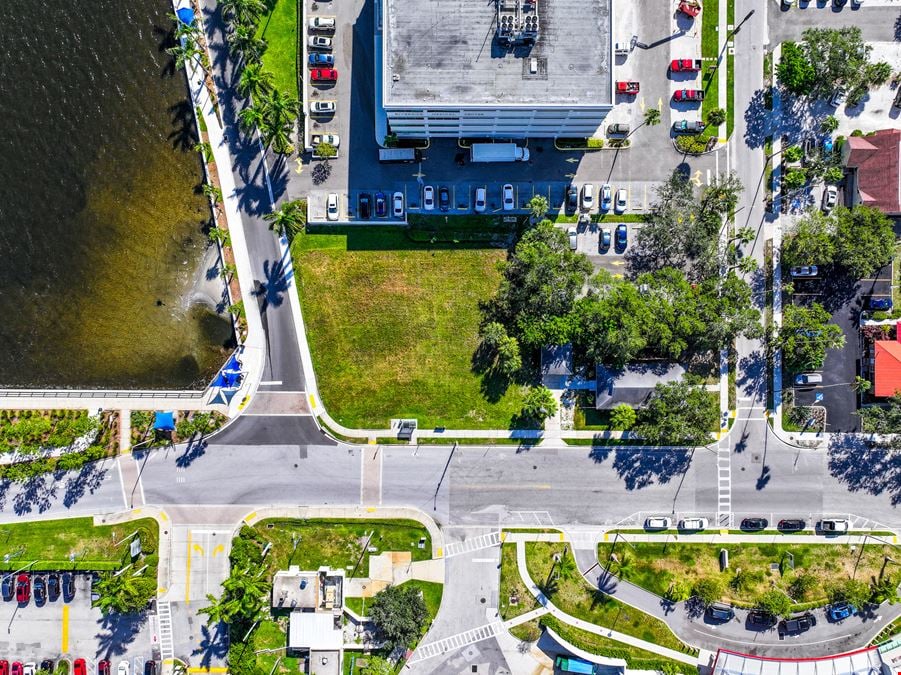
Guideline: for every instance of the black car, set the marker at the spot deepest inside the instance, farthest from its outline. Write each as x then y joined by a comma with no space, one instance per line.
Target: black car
443,198
572,198
364,206
47,665
791,525
381,205
797,625
53,586
150,668
759,618
68,586
752,524
719,612
9,587
621,236
40,590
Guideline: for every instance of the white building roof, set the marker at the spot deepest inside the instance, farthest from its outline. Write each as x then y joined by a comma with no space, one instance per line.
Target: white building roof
314,630
862,662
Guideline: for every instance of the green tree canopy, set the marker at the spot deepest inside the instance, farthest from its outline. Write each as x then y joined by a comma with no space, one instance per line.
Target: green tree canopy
678,413
399,613
775,602
539,404
538,206
123,593
289,218
623,417
500,350
708,589
865,240
811,242
805,336
885,419
839,57
795,71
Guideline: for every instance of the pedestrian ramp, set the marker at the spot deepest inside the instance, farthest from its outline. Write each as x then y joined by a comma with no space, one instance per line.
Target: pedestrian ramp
472,544
439,647
167,644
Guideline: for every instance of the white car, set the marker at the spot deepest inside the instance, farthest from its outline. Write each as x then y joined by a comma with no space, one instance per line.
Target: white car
398,204
657,523
331,139
804,271
29,668
830,198
428,198
587,197
622,200
837,98
320,42
606,197
331,206
693,524
323,107
123,668
481,200
573,235
509,201
833,526
322,23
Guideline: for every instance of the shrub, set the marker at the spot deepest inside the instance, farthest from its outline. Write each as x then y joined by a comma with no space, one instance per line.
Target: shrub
691,145
716,117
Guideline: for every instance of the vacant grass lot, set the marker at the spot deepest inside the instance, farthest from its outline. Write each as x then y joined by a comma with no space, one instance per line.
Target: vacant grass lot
49,543
512,584
657,566
279,29
575,597
393,325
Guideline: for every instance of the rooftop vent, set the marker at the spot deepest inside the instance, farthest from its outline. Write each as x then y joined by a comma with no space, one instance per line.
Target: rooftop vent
517,21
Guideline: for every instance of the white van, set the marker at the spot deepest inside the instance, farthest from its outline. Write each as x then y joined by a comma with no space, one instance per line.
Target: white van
809,378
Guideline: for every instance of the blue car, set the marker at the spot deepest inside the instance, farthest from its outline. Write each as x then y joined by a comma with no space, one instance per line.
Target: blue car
621,236
840,611
827,145
319,59
880,303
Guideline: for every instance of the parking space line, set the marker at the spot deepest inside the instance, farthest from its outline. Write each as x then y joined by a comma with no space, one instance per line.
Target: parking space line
188,572
65,638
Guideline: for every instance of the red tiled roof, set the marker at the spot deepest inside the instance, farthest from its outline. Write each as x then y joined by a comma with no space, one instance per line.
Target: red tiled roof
877,159
888,367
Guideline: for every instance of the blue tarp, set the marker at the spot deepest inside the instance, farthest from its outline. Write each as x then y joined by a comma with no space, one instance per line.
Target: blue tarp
163,421
185,15
230,375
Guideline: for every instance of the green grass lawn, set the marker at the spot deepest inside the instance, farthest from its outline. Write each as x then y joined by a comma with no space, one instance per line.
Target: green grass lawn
575,597
338,543
393,325
270,635
50,542
656,566
512,584
279,29
730,75
710,49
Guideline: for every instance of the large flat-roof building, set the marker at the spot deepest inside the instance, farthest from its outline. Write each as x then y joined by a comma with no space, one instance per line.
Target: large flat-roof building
501,69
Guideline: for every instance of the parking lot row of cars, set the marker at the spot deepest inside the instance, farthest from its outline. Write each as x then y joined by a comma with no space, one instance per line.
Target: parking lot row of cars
583,199
46,588
826,525
79,667
759,619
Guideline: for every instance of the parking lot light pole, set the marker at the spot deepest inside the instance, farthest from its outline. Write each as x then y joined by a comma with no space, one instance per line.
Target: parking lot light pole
886,560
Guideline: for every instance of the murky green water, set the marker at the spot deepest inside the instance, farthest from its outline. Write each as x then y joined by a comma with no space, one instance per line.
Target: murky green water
101,218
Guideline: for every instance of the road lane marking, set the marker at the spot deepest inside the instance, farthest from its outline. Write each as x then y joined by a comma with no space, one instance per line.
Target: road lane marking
484,560
220,548
270,383
65,640
503,486
188,572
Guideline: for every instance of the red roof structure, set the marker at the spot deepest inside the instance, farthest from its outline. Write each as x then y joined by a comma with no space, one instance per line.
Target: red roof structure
875,161
888,367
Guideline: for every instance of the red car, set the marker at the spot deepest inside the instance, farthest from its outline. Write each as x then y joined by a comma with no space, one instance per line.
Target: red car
4,667
23,593
103,667
79,667
690,7
631,88
17,668
323,75
689,95
685,65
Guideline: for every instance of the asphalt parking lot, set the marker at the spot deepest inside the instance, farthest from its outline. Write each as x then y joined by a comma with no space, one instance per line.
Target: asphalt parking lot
73,630
845,302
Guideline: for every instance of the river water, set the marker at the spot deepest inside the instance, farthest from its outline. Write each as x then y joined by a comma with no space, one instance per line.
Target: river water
101,214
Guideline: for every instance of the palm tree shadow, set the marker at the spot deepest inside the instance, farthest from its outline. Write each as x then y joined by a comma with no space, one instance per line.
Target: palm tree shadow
213,645
183,135
166,37
271,292
121,631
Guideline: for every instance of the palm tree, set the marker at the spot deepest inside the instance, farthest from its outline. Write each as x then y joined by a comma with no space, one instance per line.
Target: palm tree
228,270
566,566
243,12
255,81
213,193
289,218
184,52
279,112
121,593
250,118
220,235
205,149
652,117
220,610
244,40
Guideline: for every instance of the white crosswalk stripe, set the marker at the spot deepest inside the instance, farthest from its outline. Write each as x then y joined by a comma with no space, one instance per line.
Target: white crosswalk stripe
164,615
474,544
724,487
439,647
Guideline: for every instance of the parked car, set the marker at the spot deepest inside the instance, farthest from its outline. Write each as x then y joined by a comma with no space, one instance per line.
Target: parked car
573,236
719,612
690,8
606,197
804,271
4,667
53,588
587,197
686,127
8,587
834,526
68,586
618,128
828,145
509,199
122,669
320,59
808,378
40,590
29,668
690,95
753,524
761,618
605,239
150,668
572,197
381,205
79,667
428,198
323,75
322,23
882,304
622,234
830,197
840,611
481,200
103,668
323,107
364,206
398,204
791,525
443,198
622,199
685,65
23,588
658,523
796,625
629,88
838,97
693,524
16,668
320,42
331,206
332,139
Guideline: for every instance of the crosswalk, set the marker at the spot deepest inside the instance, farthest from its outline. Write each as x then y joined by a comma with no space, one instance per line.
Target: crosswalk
474,544
724,485
167,645
439,647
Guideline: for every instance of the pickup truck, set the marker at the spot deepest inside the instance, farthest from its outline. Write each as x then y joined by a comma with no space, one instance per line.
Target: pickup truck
631,87
331,139
690,8
797,624
685,65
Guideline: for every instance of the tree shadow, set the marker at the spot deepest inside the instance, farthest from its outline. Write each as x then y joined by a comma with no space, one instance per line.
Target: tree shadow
641,467
871,470
493,384
213,644
759,121
764,478
35,494
751,375
88,479
599,453
195,449
184,135
166,36
272,291
120,631
695,607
